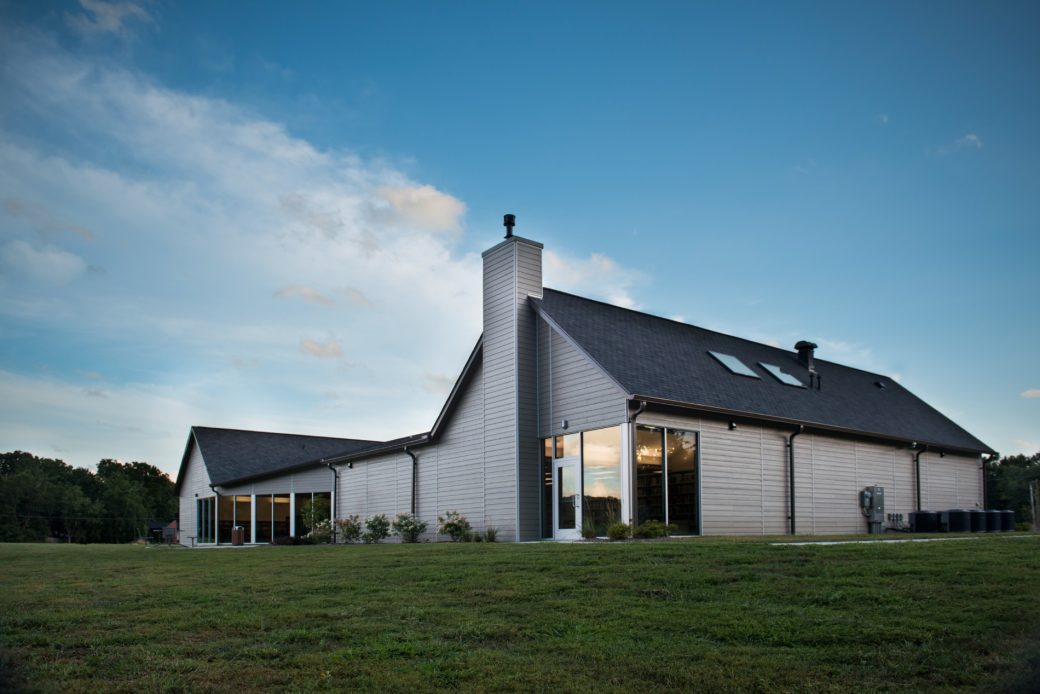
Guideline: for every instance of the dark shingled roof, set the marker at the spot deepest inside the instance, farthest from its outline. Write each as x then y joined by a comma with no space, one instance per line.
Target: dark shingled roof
659,359
235,455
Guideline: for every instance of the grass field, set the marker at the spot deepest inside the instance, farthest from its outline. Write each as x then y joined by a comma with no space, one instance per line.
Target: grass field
695,615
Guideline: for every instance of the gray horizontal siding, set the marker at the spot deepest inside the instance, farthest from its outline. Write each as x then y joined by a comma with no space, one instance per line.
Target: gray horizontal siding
744,479
573,388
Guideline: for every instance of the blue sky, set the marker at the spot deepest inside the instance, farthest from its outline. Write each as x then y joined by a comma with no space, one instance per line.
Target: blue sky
270,215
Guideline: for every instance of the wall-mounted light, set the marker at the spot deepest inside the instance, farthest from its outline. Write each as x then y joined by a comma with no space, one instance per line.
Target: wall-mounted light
732,426
350,465
563,424
942,454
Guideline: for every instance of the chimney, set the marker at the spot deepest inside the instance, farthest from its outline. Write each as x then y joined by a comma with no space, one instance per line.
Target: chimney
512,466
805,354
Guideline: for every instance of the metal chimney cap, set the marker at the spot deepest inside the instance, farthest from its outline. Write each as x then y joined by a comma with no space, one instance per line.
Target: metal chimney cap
804,344
509,221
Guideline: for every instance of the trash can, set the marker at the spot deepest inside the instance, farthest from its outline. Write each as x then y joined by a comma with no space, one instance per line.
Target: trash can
238,535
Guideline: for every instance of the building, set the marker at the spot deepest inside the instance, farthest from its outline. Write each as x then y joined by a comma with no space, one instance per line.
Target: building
571,414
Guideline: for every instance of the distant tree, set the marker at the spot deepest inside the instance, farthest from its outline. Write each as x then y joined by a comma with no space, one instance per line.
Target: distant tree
43,498
1007,483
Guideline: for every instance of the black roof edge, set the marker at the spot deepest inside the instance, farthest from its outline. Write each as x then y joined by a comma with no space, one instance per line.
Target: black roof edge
812,426
574,343
457,389
266,475
388,447
184,462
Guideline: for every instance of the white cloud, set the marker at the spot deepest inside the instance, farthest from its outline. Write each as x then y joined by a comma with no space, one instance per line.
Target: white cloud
439,384
1031,393
42,219
425,207
100,17
47,264
969,141
596,276
1026,447
216,208
305,293
329,348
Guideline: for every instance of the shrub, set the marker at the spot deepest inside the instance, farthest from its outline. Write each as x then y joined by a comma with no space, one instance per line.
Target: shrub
490,533
377,528
313,512
454,525
619,531
653,528
349,528
408,527
588,531
321,533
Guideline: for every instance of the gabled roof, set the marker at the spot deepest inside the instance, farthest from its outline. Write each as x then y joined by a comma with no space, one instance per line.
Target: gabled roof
237,455
667,362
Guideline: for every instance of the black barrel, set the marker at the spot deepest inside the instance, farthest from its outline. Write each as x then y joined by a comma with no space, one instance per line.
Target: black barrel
924,522
958,521
992,521
1007,521
978,520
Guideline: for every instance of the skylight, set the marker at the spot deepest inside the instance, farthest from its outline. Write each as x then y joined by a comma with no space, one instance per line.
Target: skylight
781,375
733,364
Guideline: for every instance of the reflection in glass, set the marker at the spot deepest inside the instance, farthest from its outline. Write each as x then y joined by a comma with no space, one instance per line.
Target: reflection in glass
566,484
547,498
263,519
280,516
601,478
311,508
205,530
649,478
225,518
568,445
682,481
243,515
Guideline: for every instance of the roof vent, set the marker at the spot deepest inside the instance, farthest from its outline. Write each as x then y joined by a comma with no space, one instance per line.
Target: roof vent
509,221
880,384
805,354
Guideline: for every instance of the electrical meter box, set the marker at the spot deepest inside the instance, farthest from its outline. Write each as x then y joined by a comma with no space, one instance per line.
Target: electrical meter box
872,503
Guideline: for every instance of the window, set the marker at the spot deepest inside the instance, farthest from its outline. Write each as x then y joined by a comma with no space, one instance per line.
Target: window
205,527
733,364
601,478
781,375
666,478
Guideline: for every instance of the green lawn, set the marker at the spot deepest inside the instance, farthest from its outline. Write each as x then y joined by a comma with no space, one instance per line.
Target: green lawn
695,615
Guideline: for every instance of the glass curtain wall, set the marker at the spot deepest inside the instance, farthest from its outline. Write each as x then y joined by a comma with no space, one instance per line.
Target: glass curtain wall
225,518
312,508
205,509
649,475
280,516
263,519
601,478
244,516
599,453
666,478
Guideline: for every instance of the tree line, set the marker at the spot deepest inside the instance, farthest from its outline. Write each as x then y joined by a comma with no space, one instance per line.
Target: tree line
1008,481
46,498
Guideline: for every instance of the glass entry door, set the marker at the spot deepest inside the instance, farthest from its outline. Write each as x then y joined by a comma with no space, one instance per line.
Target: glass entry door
567,498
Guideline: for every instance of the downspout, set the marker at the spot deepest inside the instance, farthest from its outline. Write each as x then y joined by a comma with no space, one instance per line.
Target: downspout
985,489
335,493
415,475
917,474
216,515
790,473
632,435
